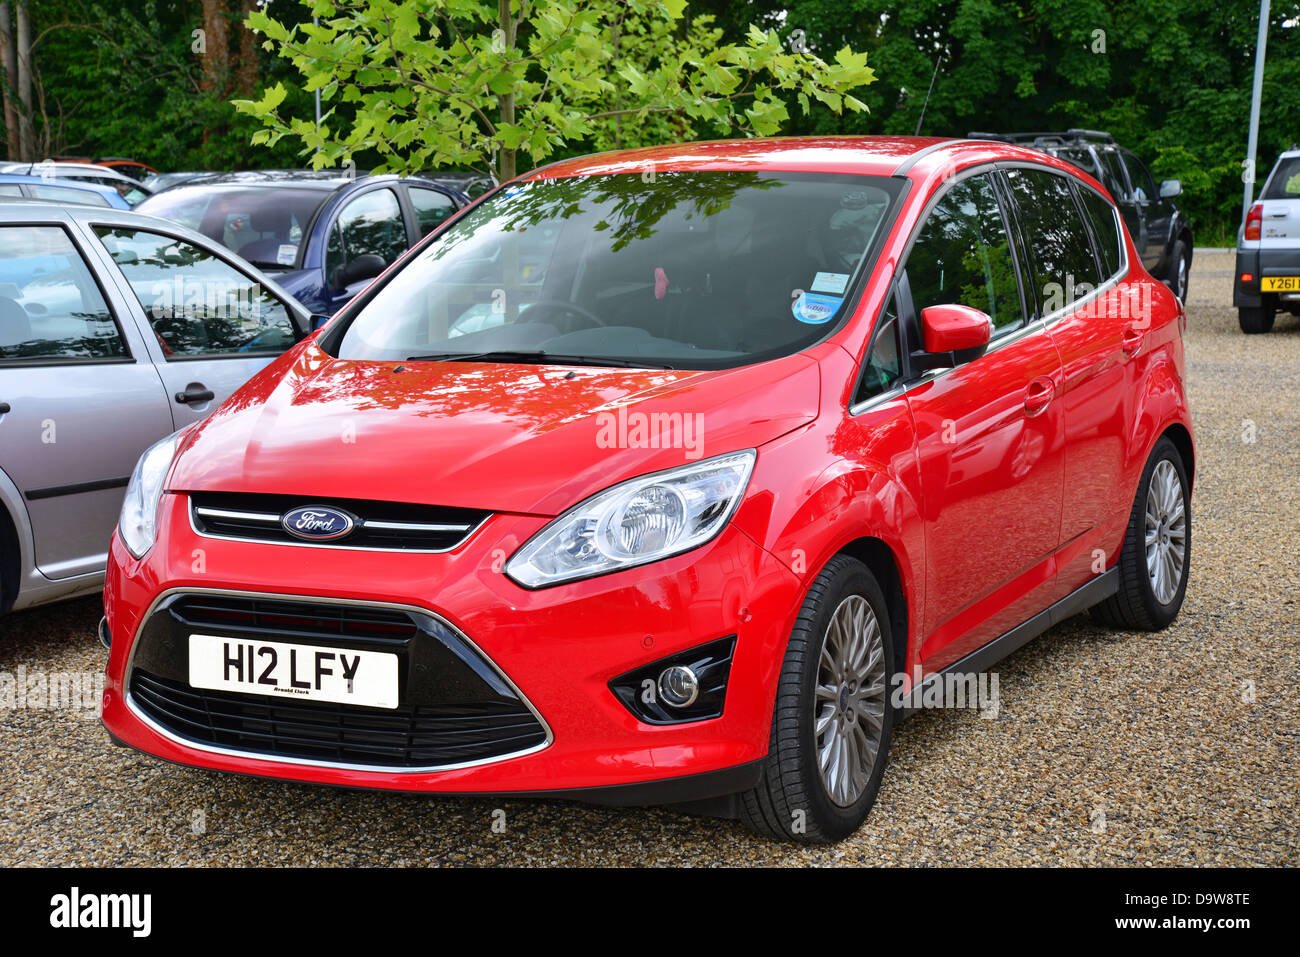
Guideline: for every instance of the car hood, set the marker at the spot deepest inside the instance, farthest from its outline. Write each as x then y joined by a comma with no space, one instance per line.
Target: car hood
502,437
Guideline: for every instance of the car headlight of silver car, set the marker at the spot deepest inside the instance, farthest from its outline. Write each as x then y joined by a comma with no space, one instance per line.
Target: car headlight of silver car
138,523
642,520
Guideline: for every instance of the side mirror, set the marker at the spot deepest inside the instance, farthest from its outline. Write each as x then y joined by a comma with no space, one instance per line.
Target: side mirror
1171,188
952,335
365,266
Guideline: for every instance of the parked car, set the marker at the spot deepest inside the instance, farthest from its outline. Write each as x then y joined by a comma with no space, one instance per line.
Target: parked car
121,164
322,235
1160,231
55,172
161,181
1267,279
690,523
14,186
116,329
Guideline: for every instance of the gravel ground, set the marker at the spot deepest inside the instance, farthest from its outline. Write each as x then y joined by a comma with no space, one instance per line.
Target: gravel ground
1108,748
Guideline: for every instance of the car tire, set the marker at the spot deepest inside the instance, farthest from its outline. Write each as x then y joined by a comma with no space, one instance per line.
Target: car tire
1180,269
1255,319
802,797
1156,556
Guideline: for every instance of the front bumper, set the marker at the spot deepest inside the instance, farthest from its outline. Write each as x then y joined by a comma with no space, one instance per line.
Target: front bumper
558,647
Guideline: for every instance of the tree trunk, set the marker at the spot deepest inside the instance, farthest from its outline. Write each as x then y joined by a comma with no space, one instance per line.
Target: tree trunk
506,101
215,58
9,65
247,73
26,136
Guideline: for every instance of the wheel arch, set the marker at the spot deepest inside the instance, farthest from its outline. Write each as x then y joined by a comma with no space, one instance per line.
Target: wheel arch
880,560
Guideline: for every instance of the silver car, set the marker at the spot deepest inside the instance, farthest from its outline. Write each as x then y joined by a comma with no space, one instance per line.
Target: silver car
1267,278
116,329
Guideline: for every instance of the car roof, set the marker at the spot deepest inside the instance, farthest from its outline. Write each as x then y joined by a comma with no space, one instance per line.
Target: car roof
867,155
100,188
60,167
317,180
924,158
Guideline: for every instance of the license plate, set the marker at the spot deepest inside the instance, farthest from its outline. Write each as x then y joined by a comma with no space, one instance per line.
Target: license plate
1279,284
281,670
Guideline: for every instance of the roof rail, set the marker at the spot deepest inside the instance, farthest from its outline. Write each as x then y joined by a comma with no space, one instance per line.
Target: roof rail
1044,136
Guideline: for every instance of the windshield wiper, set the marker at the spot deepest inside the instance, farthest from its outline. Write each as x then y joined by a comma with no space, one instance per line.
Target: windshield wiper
537,357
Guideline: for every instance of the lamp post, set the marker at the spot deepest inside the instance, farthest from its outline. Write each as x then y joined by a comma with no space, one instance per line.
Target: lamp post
1253,139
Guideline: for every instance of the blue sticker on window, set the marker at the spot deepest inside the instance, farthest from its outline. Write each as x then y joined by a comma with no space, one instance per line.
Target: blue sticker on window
814,309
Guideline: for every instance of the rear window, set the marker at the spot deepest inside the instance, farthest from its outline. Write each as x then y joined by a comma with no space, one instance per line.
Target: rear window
264,225
1285,181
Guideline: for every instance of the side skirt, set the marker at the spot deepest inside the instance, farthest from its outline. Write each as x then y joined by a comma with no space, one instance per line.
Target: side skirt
984,658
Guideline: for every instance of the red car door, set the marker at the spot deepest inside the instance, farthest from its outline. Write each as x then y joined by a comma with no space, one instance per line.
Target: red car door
1101,339
989,435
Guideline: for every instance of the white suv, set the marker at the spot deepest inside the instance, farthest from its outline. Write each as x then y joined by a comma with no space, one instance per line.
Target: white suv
1268,249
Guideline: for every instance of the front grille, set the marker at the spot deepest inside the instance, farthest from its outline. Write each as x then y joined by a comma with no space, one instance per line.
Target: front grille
409,737
455,705
293,619
391,526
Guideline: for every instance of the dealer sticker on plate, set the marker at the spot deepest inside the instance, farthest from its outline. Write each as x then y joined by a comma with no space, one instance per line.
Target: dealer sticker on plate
277,669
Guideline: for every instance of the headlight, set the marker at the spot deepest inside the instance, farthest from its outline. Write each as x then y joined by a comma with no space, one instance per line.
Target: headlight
137,523
639,521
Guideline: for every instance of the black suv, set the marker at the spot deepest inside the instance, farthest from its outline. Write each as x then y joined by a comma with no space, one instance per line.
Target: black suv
1160,232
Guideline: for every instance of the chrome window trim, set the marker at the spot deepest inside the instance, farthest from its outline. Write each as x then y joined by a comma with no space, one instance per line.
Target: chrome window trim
309,762
191,509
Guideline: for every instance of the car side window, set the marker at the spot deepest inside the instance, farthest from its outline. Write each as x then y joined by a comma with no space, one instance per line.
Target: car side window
371,223
197,303
1105,228
67,194
1065,268
431,208
1112,174
1144,190
50,305
963,255
882,370
10,189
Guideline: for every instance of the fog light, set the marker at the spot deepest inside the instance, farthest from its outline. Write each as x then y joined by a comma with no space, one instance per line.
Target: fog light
678,686
688,686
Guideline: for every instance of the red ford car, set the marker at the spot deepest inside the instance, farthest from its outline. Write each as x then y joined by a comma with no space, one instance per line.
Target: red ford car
668,476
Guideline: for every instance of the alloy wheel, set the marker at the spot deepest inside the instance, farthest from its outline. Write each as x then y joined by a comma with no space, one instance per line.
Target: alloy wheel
1166,532
849,704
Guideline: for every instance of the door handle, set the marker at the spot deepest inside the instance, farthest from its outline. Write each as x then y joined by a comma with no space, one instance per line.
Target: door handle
196,393
1131,340
1039,394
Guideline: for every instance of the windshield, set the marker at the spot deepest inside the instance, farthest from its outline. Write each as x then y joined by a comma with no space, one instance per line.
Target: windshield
263,225
686,270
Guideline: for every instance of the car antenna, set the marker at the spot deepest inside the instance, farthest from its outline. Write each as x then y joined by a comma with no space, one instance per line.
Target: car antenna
942,54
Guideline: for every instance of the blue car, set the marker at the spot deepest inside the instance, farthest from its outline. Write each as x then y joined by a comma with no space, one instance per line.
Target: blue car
18,186
321,235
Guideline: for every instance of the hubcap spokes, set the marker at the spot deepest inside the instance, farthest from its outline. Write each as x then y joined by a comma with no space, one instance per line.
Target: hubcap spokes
1166,532
849,705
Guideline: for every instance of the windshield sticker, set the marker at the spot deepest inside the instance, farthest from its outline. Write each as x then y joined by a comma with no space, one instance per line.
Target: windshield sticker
814,309
833,282
286,254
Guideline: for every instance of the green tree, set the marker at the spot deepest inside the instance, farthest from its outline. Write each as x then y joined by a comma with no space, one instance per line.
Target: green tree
425,83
